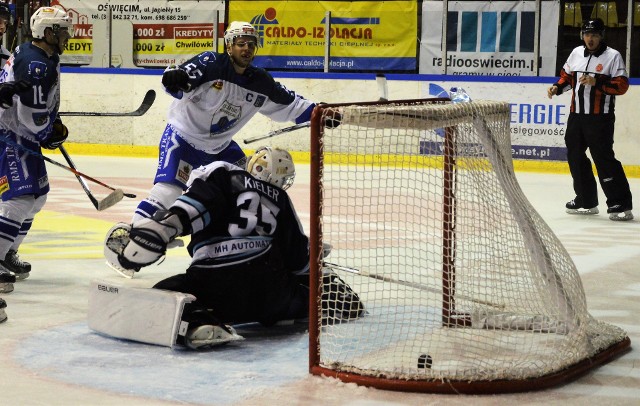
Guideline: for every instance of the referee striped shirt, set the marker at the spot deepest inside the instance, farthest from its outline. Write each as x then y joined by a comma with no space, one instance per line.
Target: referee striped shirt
607,66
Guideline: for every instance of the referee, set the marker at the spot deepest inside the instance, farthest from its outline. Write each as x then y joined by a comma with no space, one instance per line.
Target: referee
596,73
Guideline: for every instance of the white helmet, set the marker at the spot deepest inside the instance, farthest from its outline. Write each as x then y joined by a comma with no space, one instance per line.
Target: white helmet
274,166
50,17
239,29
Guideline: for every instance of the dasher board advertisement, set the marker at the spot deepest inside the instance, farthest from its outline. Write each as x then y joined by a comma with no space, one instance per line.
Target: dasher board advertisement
364,35
164,32
488,38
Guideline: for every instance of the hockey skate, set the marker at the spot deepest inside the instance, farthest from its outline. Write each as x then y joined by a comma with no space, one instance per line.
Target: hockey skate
16,266
6,280
208,335
619,213
573,207
339,301
205,330
3,313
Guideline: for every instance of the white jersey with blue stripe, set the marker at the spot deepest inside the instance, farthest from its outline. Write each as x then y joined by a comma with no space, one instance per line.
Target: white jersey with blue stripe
223,101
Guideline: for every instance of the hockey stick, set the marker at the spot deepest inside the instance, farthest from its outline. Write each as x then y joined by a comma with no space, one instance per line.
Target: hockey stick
113,198
414,285
382,89
146,104
278,132
58,164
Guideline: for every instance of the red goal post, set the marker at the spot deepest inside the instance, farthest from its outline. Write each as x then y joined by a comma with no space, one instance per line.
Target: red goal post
429,226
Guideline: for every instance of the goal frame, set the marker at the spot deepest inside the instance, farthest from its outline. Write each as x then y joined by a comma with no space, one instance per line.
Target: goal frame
450,318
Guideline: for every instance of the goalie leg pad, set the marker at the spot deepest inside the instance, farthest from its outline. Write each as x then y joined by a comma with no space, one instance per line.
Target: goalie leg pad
150,316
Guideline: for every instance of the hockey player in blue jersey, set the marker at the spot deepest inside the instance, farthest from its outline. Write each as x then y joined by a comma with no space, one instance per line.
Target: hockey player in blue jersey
216,94
33,122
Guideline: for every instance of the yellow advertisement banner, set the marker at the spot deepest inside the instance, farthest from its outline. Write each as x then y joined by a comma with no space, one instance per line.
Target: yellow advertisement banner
364,35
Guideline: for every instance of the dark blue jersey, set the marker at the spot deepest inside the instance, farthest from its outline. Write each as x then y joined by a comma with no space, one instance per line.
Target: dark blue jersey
36,108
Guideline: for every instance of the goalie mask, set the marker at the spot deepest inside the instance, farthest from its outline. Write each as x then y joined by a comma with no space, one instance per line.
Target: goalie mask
274,166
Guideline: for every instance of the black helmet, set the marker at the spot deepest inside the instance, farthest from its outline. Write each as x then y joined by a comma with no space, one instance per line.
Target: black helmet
596,25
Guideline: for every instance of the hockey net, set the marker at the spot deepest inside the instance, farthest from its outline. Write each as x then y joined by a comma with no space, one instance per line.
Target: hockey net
466,288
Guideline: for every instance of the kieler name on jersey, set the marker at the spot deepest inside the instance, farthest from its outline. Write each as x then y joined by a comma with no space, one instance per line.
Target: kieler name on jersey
272,192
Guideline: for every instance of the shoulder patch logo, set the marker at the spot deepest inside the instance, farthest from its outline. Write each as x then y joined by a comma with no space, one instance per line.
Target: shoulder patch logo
207,57
217,84
259,101
37,69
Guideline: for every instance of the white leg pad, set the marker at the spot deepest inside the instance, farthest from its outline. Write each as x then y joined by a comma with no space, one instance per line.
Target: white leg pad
150,316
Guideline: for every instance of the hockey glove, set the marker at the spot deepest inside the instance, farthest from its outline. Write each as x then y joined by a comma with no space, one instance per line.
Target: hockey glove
148,239
58,136
175,79
332,118
9,89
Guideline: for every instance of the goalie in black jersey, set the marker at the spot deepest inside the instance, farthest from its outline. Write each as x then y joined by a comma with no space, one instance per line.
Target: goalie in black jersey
250,256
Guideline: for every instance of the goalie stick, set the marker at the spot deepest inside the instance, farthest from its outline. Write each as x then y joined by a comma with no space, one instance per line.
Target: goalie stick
414,285
146,104
113,198
65,167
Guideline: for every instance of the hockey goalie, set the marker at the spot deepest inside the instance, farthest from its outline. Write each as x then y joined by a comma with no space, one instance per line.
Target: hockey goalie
250,261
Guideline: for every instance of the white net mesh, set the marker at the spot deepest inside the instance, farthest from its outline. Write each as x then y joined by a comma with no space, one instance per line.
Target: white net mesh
430,228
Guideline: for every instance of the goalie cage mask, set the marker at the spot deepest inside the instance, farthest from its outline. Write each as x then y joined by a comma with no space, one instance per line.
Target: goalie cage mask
273,165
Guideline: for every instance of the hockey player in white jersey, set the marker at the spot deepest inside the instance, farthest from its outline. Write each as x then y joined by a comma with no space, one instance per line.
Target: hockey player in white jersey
250,256
31,120
216,94
7,92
